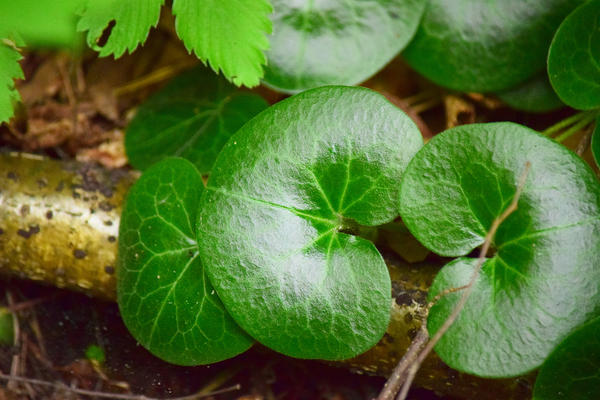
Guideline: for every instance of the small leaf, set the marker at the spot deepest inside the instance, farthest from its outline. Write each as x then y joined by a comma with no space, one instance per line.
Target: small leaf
535,95
275,222
573,369
9,71
596,142
7,331
228,34
485,46
192,117
132,21
544,278
344,42
164,296
574,58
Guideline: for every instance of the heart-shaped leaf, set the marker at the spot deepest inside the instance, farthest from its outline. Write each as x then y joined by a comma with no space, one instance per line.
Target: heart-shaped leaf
574,58
192,117
596,142
485,46
535,95
316,43
164,295
275,219
544,278
573,369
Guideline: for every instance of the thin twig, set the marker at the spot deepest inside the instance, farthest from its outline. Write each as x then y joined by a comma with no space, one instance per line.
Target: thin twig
108,395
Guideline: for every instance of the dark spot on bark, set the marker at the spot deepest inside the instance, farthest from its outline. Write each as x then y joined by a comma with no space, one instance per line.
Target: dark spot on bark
33,229
411,333
24,211
109,269
42,183
76,195
403,299
49,214
112,239
406,297
1,231
79,254
408,318
12,176
60,186
388,338
85,198
105,206
108,223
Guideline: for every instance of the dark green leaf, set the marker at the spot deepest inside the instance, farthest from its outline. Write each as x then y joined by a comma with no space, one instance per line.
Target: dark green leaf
574,58
485,46
336,42
573,369
275,219
6,327
192,117
596,142
544,278
535,95
165,298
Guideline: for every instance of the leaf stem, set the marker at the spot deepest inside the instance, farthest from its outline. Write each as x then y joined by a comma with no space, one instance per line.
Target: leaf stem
585,121
565,123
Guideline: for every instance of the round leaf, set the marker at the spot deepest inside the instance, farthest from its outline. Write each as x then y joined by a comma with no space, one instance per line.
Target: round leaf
544,278
192,117
596,142
573,369
485,46
274,220
165,298
535,95
574,58
324,42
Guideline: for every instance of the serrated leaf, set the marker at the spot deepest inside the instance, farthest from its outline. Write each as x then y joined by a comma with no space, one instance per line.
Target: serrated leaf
544,278
132,22
10,69
485,46
596,142
336,42
192,117
574,58
274,222
573,369
229,35
164,296
535,95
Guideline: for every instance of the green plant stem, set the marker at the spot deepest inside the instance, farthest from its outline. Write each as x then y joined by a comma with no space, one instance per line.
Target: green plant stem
565,123
585,121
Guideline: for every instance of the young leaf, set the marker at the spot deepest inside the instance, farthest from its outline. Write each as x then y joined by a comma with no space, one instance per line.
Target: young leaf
544,278
129,23
228,34
9,71
323,43
485,46
596,142
535,95
574,58
573,369
276,220
164,296
192,117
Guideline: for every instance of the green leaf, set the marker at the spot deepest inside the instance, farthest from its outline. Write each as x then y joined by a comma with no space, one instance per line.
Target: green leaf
165,298
596,142
9,71
485,46
574,58
344,42
132,22
544,278
192,117
535,95
573,369
7,330
228,34
42,23
276,218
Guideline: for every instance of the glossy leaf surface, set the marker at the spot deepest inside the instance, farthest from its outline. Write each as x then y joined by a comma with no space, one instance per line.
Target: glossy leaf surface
543,279
10,69
574,58
573,369
535,95
192,117
324,42
485,46
275,221
164,295
229,35
596,142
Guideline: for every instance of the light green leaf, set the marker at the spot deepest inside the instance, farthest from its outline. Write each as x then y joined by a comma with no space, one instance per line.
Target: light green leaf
229,35
9,71
132,22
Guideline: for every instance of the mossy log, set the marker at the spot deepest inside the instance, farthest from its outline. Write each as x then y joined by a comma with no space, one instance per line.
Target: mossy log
59,225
